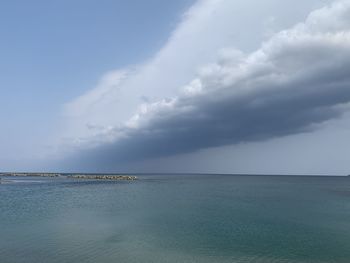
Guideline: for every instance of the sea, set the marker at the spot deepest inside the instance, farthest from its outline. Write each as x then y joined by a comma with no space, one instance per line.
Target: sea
176,218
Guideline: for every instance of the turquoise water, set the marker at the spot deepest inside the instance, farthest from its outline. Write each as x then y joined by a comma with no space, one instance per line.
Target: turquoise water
176,219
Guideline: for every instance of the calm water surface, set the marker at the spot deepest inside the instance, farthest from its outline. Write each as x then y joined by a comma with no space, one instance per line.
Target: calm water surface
262,219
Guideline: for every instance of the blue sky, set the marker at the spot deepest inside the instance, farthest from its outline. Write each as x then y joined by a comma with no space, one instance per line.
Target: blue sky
52,51
242,86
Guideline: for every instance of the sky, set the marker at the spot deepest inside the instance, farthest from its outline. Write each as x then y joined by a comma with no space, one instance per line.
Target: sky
206,86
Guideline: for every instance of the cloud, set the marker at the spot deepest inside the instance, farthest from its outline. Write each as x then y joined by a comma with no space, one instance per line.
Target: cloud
206,29
295,81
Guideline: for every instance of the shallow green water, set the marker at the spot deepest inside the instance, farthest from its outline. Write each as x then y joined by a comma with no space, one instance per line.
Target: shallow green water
176,219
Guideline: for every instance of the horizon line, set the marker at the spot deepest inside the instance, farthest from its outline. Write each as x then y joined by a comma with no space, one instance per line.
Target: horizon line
179,173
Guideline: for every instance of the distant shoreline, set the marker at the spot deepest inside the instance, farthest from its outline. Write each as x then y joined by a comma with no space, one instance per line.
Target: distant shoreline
115,177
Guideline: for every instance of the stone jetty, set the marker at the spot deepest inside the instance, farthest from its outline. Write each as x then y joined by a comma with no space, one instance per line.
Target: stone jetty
115,177
32,174
104,177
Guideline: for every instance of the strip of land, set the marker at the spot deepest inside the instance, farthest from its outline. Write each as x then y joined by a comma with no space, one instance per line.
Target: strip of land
116,177
104,177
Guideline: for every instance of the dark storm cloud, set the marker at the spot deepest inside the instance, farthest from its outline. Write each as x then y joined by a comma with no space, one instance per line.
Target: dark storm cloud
298,79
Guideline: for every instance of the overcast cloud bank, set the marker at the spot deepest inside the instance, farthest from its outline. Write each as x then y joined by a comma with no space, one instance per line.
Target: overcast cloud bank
296,80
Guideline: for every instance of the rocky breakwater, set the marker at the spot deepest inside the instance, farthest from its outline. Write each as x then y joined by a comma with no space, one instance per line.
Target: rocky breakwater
105,177
31,174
